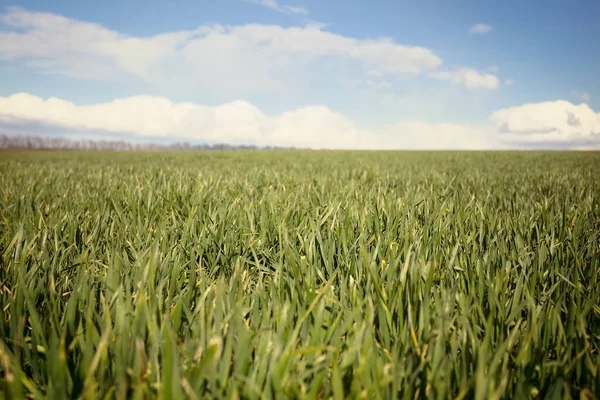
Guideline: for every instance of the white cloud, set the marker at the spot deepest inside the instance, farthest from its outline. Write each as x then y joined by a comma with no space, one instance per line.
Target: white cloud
480,29
551,121
315,126
273,5
80,49
235,122
509,82
234,60
469,77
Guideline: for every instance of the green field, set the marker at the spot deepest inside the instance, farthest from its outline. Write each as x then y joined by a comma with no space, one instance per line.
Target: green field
300,274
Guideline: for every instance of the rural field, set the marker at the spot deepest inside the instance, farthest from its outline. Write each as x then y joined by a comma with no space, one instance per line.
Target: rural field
300,274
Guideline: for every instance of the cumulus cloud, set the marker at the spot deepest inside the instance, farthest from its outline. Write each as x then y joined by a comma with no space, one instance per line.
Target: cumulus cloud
235,122
234,60
247,58
148,116
57,44
551,121
558,123
480,29
468,77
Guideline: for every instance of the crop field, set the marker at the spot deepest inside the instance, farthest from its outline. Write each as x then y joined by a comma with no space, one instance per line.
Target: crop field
299,274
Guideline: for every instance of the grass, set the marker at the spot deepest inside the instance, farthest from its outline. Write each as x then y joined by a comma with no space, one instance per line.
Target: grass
300,274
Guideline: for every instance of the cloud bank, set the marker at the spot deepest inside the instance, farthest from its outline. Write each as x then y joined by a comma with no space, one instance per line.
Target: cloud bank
231,59
314,126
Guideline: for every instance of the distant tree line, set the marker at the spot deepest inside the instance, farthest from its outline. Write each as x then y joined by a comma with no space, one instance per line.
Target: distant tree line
58,143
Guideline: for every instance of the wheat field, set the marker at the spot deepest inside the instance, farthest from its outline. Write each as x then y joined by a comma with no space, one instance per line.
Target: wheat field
300,274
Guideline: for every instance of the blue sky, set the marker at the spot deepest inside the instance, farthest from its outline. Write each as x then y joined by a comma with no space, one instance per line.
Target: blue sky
382,74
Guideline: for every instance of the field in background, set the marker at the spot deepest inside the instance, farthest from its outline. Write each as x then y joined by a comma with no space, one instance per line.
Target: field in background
300,274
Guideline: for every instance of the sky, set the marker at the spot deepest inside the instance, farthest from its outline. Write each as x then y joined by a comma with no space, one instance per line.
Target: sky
319,74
